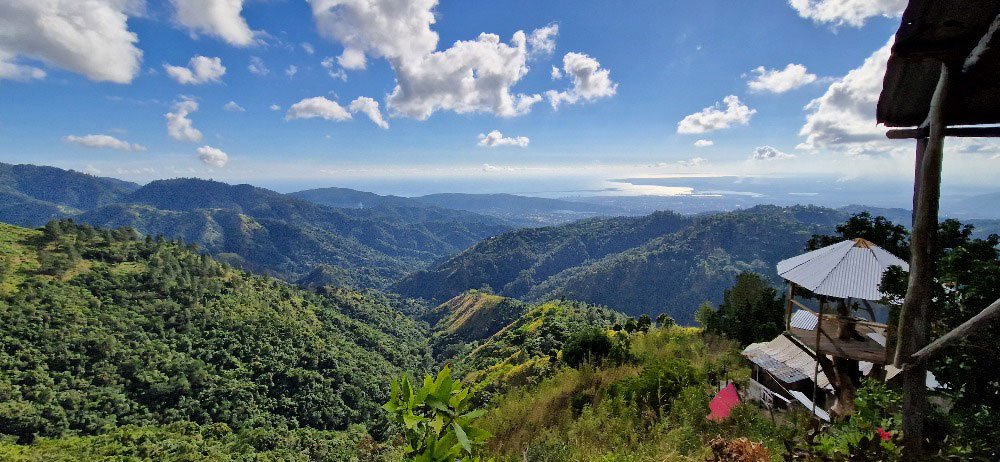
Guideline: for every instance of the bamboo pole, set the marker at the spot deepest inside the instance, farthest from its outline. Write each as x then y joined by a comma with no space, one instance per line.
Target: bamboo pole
914,325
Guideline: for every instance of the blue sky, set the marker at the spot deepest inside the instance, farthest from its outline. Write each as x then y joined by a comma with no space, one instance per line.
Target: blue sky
641,67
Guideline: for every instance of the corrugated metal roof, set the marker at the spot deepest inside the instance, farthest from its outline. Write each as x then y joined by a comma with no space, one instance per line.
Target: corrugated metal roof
782,357
778,369
804,320
846,269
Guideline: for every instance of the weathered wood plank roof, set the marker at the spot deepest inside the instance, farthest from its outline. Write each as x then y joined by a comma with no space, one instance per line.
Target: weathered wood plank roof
936,31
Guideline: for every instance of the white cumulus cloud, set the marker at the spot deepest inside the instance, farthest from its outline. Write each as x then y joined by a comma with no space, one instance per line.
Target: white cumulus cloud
352,59
780,80
317,107
274,107
495,139
556,73
89,37
308,47
218,18
703,143
847,12
291,71
179,126
843,119
257,66
213,157
104,142
233,107
769,153
368,107
590,81
469,76
542,41
332,70
716,117
392,29
19,72
199,70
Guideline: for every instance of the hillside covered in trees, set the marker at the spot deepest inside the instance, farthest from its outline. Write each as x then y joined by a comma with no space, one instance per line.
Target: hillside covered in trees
102,328
662,262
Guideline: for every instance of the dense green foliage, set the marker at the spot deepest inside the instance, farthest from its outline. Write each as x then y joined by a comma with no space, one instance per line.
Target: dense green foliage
877,229
101,329
595,346
524,350
660,263
439,424
968,276
751,311
873,433
189,442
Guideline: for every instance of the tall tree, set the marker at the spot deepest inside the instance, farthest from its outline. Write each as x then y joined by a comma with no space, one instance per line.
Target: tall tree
751,311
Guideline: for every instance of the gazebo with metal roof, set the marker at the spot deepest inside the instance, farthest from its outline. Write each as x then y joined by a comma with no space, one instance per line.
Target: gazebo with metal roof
847,273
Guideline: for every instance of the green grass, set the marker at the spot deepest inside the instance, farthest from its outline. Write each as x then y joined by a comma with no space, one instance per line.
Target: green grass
583,415
15,257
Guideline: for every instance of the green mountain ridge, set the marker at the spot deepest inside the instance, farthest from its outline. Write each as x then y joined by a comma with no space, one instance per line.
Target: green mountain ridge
250,227
660,263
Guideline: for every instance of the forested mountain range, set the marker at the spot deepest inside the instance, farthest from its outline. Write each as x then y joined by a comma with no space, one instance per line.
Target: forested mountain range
663,262
104,328
251,227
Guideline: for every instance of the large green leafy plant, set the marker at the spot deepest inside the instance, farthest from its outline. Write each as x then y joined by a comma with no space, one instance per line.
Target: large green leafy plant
437,421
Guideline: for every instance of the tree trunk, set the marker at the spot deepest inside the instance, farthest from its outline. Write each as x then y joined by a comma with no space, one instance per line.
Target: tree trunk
845,377
914,323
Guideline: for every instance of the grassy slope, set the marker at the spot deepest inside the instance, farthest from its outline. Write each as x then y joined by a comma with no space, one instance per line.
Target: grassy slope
581,414
475,315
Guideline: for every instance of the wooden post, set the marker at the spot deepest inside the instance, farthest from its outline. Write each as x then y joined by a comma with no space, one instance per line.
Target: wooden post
819,354
914,322
788,306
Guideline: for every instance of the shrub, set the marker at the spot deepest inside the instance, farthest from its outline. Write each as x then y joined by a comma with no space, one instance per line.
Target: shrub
594,346
658,384
437,423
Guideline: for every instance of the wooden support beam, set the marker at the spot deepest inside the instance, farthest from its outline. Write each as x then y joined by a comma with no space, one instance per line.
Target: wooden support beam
973,325
914,322
788,305
960,132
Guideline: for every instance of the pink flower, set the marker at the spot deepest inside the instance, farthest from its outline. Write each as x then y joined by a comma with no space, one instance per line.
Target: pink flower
886,436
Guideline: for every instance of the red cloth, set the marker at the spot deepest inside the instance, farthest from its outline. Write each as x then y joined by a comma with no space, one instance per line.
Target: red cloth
723,403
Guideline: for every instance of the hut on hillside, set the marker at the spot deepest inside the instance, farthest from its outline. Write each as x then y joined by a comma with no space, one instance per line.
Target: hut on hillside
824,353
